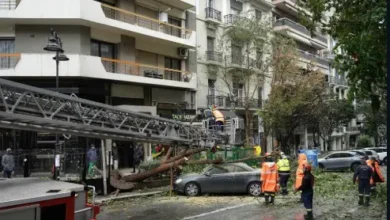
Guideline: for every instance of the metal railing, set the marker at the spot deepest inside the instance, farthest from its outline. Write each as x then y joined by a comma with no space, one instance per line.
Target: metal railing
241,60
145,22
137,69
236,102
231,19
213,56
316,58
213,13
9,4
9,61
300,28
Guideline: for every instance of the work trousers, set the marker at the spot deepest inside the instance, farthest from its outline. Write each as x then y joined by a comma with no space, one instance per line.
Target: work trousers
7,174
308,200
283,179
364,187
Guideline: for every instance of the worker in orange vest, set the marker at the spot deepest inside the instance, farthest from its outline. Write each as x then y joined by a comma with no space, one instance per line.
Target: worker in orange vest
269,178
307,191
302,161
219,119
377,176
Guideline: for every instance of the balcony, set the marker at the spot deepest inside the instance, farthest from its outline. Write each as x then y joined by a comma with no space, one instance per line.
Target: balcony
231,19
226,102
145,22
317,59
42,65
240,61
300,33
8,4
290,7
99,16
353,129
213,15
214,56
337,81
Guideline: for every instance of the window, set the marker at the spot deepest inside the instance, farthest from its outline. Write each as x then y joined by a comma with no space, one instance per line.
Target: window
368,153
344,155
7,46
334,156
211,85
173,30
240,169
258,14
210,43
237,89
209,3
217,170
236,54
106,50
229,168
175,64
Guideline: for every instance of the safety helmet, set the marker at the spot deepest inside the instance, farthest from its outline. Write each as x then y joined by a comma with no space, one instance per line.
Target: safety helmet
307,167
267,154
282,154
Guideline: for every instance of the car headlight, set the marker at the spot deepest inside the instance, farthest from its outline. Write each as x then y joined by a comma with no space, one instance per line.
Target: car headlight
178,181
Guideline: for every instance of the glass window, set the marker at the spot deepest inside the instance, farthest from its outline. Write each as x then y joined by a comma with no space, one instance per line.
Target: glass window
217,170
210,44
332,156
368,152
230,168
7,46
175,64
240,169
343,155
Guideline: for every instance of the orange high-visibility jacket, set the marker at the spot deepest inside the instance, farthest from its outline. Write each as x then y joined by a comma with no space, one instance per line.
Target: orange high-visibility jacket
302,160
269,177
379,178
218,115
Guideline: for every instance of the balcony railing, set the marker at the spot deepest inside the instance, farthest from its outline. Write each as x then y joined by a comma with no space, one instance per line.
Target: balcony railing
231,19
213,13
137,69
300,28
145,22
9,4
241,60
316,58
237,102
214,56
337,81
9,61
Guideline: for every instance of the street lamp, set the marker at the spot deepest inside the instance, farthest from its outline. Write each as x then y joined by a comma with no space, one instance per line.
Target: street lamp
55,45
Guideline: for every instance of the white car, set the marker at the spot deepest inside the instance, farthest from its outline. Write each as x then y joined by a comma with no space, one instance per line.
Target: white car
382,153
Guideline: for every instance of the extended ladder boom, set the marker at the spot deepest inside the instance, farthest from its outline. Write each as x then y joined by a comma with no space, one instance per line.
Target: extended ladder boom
29,108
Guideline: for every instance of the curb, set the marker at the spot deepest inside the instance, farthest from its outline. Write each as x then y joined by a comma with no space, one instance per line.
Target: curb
128,196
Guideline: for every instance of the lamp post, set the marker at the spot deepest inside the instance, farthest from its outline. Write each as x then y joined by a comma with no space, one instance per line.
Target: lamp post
55,45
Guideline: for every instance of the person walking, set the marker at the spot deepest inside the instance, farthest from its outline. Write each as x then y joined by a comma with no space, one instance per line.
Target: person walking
307,191
138,156
115,155
363,175
8,163
284,172
377,176
302,161
269,178
91,160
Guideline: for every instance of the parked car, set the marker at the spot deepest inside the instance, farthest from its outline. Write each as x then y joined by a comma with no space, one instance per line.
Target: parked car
340,160
360,152
382,153
371,153
225,178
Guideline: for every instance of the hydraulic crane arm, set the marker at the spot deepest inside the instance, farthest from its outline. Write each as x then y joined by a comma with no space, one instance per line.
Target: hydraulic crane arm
29,108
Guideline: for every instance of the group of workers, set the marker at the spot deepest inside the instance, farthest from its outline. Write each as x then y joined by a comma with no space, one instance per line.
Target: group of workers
276,175
216,118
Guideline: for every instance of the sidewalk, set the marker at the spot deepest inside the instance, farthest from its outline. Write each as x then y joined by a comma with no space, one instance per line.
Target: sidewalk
134,194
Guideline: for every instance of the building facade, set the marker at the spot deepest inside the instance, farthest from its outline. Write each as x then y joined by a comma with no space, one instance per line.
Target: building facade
136,54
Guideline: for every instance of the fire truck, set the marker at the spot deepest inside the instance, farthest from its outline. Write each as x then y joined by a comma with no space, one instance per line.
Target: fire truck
43,199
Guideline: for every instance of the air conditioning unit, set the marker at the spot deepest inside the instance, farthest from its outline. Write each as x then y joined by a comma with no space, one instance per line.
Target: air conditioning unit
183,52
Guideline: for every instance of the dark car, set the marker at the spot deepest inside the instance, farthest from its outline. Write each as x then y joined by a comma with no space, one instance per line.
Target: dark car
224,178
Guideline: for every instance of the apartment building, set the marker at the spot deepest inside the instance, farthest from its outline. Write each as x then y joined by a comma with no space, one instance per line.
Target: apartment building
138,54
214,17
315,50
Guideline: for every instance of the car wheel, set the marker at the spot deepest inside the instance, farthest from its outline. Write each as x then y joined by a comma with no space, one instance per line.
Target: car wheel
385,161
192,189
254,189
354,166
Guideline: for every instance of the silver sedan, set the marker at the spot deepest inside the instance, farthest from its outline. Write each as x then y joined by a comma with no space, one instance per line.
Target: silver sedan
224,178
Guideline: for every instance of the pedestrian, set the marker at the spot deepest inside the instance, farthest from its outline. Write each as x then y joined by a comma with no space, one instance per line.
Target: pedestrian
363,175
8,163
138,156
26,167
115,156
269,179
91,160
307,191
284,172
302,161
377,176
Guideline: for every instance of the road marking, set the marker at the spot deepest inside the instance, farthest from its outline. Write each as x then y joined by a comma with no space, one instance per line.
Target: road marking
218,210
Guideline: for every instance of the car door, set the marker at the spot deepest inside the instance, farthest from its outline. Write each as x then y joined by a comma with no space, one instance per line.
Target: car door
344,161
330,162
219,179
242,177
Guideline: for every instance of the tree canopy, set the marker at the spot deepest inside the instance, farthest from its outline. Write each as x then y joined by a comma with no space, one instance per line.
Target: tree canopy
360,30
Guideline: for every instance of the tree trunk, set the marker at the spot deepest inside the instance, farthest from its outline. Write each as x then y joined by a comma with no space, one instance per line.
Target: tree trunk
183,154
248,130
